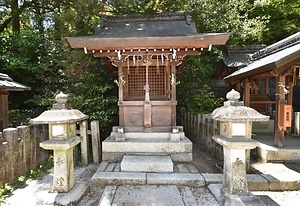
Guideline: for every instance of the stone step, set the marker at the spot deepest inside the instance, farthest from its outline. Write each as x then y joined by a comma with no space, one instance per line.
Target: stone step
180,151
136,163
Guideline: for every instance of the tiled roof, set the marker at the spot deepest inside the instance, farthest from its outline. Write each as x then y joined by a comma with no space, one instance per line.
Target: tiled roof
278,46
7,83
151,25
240,56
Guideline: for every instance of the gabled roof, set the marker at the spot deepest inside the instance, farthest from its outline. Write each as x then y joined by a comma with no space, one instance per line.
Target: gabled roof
240,56
153,25
155,31
274,56
7,83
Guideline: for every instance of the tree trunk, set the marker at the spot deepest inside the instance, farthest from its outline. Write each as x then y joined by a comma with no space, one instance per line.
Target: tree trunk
15,14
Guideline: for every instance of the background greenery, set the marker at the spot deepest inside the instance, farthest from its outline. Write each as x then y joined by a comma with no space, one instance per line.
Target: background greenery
33,49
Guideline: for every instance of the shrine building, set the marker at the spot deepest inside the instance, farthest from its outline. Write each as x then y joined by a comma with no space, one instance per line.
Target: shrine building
146,52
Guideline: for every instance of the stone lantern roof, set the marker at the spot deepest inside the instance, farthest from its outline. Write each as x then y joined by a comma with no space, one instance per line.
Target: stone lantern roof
234,110
60,113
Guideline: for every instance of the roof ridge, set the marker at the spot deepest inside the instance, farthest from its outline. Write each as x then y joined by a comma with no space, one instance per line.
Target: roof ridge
278,46
146,17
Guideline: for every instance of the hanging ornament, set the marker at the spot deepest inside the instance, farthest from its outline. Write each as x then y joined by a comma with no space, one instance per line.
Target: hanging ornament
137,65
128,66
174,54
162,59
119,55
157,65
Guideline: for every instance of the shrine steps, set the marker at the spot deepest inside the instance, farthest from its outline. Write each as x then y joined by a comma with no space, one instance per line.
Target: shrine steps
185,174
154,143
147,163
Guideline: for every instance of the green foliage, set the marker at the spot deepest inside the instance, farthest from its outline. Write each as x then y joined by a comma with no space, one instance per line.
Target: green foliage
232,16
204,101
283,16
193,92
117,7
94,93
4,191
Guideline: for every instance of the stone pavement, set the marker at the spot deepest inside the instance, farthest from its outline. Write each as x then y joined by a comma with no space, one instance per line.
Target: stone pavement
276,184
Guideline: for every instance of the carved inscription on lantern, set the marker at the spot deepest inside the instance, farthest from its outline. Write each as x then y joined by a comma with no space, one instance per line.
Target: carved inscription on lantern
60,181
60,162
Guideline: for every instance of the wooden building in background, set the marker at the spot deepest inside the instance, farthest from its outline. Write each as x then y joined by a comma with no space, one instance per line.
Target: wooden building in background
7,85
276,65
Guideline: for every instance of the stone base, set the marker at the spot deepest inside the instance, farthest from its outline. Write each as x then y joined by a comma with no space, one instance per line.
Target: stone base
73,196
153,143
233,200
136,163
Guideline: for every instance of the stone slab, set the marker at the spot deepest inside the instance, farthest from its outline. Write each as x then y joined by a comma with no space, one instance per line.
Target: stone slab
234,200
119,178
211,178
187,196
257,182
147,195
147,145
102,166
73,196
107,196
178,157
268,153
137,163
278,175
192,180
236,143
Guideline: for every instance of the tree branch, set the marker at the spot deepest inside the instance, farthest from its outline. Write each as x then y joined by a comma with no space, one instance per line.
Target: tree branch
5,24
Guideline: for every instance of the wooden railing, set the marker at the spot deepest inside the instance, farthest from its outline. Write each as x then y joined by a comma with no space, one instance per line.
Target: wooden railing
200,129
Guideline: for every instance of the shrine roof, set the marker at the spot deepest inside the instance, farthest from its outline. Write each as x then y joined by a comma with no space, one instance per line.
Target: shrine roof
166,30
7,83
277,55
153,25
240,56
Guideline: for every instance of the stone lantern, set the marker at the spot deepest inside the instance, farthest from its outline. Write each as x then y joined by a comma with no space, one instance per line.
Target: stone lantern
235,137
62,122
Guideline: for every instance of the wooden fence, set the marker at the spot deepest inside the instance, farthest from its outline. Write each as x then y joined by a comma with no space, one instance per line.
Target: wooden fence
20,151
200,129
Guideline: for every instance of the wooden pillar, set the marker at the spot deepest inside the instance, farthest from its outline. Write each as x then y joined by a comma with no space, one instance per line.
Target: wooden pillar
4,120
246,92
147,103
267,86
173,90
280,99
121,93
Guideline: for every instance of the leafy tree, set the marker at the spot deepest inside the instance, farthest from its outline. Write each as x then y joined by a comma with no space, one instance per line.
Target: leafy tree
144,6
230,16
283,16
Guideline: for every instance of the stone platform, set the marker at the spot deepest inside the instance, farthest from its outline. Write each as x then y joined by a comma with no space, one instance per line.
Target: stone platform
267,151
153,143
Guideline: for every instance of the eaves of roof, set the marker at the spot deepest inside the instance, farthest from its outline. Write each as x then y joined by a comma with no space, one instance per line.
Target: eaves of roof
268,63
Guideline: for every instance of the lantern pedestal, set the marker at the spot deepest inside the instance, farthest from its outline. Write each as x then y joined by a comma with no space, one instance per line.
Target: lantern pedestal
64,179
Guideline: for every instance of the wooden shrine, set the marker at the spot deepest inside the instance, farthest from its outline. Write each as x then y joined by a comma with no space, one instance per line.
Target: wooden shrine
146,52
269,80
